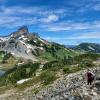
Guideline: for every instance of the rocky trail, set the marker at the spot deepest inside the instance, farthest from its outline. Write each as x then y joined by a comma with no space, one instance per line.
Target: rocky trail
71,87
68,87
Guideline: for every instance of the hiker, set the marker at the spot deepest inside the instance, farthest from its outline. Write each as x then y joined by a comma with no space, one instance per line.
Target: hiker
89,77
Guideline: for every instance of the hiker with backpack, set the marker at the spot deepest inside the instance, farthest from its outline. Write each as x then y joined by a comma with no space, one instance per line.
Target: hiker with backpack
89,77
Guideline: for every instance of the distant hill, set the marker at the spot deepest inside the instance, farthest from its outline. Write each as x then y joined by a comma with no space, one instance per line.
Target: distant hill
88,47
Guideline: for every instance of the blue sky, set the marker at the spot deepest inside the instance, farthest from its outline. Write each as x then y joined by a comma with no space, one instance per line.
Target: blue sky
63,21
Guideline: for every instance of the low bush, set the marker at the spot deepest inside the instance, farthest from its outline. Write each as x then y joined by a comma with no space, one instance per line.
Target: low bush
66,70
47,77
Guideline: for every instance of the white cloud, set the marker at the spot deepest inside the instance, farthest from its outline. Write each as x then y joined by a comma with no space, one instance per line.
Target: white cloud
28,15
4,20
86,36
76,37
12,22
30,10
18,10
16,16
50,18
65,26
43,16
96,7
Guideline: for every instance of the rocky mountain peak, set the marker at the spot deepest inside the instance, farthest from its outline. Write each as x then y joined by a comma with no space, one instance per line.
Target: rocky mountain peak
21,31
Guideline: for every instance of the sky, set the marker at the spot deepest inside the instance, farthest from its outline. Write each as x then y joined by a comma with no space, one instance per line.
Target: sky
67,22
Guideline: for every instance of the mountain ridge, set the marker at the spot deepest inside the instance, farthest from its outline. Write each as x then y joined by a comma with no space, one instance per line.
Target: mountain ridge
88,47
22,43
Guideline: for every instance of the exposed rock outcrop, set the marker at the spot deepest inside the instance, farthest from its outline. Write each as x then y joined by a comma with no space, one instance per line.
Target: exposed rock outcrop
21,31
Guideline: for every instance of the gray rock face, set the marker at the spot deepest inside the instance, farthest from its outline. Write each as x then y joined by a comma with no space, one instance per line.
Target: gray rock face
21,31
24,28
17,44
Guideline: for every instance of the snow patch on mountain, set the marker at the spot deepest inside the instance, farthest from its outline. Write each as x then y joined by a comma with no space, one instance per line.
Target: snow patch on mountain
91,48
23,80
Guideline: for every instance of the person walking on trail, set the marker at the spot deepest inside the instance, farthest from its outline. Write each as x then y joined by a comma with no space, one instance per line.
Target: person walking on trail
89,77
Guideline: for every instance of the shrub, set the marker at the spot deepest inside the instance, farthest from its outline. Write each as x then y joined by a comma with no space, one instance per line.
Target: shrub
86,63
53,65
6,57
24,71
47,77
66,70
